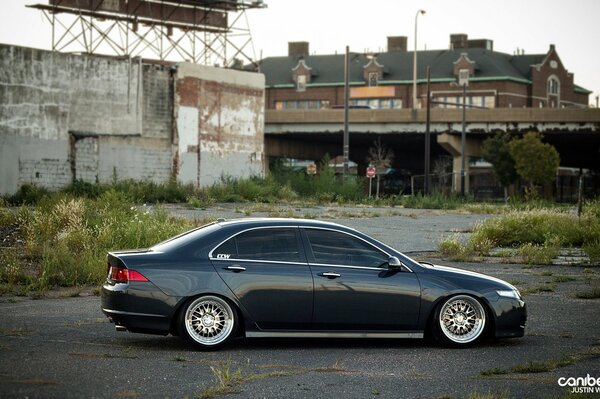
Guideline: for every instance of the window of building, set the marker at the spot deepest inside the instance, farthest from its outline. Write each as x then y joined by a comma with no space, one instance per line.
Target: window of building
301,83
373,77
553,86
304,104
378,103
261,244
335,248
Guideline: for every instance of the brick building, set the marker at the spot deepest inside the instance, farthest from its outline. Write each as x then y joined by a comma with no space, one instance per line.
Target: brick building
384,80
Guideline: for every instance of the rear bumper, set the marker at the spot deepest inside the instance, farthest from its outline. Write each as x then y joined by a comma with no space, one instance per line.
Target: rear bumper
511,318
138,307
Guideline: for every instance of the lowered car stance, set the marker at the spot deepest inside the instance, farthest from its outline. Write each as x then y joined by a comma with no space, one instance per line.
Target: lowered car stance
300,278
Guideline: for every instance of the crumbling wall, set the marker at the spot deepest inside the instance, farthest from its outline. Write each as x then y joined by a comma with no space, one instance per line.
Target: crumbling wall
56,109
219,124
66,117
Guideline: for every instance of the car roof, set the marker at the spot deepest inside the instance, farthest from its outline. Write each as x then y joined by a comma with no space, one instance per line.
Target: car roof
263,222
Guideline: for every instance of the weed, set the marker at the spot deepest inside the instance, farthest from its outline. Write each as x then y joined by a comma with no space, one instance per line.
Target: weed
566,335
545,287
533,254
494,371
67,238
593,293
563,279
452,248
228,379
547,365
179,359
15,332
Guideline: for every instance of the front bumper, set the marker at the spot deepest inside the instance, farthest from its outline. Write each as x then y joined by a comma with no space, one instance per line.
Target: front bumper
510,317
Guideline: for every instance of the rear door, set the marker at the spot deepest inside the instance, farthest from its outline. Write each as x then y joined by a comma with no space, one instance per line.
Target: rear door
354,289
267,271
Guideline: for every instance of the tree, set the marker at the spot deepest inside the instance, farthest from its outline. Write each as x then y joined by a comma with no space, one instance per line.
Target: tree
496,151
535,161
381,157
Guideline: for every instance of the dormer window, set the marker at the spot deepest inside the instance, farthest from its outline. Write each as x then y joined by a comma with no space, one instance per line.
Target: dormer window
372,72
463,68
301,74
301,83
373,78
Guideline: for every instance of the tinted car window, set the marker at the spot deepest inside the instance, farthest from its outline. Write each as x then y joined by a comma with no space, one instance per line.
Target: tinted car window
261,244
331,247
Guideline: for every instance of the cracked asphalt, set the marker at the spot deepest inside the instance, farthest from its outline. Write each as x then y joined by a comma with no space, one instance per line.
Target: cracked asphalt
65,348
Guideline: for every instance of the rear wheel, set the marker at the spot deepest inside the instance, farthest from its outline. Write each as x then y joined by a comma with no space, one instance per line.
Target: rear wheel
459,321
207,322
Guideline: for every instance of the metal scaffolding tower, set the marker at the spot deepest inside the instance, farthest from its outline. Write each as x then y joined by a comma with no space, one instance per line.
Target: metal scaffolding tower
209,32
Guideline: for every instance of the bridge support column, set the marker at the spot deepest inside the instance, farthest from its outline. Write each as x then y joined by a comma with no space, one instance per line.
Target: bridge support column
451,143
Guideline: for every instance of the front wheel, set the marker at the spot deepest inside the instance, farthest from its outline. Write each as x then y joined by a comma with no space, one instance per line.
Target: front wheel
459,321
207,322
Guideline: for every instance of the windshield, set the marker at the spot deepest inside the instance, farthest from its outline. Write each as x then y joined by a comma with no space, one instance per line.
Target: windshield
184,238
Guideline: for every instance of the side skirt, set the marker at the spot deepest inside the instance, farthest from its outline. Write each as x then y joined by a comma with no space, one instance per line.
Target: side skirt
325,334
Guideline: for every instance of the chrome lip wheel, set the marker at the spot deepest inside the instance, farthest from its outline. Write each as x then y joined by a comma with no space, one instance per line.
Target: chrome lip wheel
462,319
209,320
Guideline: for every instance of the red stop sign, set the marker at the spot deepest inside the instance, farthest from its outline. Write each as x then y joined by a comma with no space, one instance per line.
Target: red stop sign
371,171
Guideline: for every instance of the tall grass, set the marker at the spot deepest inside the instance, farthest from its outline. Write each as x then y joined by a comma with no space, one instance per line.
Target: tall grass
65,238
537,233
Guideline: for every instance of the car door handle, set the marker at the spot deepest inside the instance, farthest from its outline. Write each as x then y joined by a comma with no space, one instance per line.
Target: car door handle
236,269
330,275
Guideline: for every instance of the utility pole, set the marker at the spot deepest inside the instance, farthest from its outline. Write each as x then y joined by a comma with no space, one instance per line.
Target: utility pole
427,134
346,148
463,139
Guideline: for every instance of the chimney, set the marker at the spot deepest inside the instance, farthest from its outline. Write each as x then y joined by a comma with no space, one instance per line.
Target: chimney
298,48
481,43
458,41
396,43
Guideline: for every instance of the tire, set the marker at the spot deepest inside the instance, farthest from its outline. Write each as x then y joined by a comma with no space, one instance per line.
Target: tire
207,322
459,321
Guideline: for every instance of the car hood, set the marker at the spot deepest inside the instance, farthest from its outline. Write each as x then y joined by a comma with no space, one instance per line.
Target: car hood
461,273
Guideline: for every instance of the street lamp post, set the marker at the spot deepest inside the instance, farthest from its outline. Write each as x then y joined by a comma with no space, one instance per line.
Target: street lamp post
414,105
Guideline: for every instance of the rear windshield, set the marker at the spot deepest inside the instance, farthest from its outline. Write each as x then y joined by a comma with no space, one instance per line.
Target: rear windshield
185,238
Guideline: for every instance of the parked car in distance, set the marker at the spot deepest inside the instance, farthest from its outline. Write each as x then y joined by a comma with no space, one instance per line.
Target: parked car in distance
300,278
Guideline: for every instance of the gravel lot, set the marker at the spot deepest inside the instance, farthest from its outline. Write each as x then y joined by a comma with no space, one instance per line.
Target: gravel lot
66,348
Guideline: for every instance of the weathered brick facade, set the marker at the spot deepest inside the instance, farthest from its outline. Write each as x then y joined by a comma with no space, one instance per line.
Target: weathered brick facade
505,81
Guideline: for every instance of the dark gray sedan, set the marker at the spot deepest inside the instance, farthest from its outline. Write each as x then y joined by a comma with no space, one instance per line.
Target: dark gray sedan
300,278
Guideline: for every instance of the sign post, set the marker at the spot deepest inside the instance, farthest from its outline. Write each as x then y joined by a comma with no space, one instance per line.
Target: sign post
371,172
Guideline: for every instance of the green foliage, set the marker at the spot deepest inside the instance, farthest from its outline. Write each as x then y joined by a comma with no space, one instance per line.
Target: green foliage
533,254
535,161
433,201
592,293
67,237
29,194
496,150
11,267
538,235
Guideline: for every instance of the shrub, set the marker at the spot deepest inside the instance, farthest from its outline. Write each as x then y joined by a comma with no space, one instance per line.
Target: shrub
68,238
29,194
533,254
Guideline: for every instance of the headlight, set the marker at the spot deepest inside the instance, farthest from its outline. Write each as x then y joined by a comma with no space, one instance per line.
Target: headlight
509,294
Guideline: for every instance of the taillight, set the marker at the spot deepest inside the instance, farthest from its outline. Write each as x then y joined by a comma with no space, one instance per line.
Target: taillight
124,275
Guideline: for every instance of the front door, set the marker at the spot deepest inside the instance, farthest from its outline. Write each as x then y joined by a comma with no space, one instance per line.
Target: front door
354,289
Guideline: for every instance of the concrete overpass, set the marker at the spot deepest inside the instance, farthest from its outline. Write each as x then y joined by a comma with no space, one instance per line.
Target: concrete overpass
309,134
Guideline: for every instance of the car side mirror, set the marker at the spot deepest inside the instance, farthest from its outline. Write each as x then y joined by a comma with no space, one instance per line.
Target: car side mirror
394,263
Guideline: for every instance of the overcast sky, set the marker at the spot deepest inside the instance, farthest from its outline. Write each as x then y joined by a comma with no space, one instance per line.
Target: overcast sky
330,25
